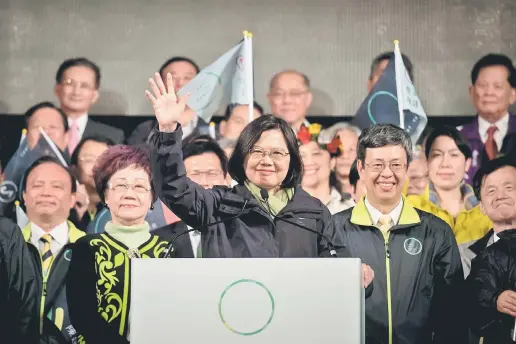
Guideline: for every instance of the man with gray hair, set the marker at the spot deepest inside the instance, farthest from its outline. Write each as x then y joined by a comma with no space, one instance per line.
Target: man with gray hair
413,253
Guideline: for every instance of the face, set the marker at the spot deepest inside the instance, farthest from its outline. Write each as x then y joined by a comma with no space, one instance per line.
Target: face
317,165
290,98
498,194
77,91
182,72
384,173
349,141
378,72
129,196
492,94
205,170
48,195
268,162
52,123
236,122
88,155
358,192
446,164
418,177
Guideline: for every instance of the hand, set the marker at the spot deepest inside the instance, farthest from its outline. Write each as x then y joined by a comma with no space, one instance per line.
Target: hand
167,107
367,274
506,303
81,201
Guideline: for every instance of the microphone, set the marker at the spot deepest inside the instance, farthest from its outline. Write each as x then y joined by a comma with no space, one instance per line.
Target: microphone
265,195
513,332
171,249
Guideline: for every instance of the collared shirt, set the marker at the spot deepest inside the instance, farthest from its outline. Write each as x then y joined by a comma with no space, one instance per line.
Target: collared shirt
59,237
466,190
81,121
495,237
337,203
376,214
502,125
195,239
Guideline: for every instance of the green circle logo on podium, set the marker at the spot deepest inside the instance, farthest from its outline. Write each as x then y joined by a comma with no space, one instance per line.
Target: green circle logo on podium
259,306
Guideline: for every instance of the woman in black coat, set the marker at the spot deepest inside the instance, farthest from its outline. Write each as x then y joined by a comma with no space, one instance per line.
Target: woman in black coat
261,216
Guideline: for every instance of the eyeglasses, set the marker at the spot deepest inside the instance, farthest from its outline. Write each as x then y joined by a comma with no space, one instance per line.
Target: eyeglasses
276,154
81,85
88,159
296,94
380,166
123,187
210,175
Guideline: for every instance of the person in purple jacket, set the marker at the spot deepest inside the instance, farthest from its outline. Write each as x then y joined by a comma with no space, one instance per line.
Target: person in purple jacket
493,80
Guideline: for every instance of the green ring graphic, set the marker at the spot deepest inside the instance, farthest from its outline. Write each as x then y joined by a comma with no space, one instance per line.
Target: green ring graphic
376,94
240,332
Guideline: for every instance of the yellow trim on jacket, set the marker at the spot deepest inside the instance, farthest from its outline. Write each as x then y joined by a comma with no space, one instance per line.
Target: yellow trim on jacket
74,233
360,216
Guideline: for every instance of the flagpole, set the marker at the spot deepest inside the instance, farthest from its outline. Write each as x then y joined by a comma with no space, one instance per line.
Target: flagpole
399,90
248,61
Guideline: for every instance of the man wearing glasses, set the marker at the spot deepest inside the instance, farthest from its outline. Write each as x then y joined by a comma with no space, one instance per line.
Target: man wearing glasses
414,254
77,88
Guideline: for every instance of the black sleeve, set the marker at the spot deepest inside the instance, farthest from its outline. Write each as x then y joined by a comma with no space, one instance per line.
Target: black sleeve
329,230
21,321
81,294
141,133
188,200
447,314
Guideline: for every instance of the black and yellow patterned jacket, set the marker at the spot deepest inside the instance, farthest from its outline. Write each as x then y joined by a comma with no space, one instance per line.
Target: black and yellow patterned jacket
98,286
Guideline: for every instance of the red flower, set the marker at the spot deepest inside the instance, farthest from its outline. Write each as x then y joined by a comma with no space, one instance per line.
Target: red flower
303,135
334,146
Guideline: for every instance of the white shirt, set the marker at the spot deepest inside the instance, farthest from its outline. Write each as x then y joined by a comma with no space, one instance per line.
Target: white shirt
190,127
495,238
195,239
502,125
376,214
59,237
81,123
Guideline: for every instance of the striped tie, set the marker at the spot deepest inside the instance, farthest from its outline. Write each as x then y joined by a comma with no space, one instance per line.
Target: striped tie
46,254
384,223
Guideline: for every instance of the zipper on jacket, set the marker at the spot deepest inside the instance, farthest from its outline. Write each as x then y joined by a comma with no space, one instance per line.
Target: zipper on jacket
388,274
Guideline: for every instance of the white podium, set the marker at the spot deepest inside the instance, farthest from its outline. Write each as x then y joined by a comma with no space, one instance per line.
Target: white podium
230,301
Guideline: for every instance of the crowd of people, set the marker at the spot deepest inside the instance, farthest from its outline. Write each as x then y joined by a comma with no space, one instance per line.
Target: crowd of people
433,221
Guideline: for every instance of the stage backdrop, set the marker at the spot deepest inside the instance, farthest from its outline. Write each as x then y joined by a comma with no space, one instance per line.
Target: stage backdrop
332,41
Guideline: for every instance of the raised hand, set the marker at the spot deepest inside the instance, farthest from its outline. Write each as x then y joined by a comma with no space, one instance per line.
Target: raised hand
167,106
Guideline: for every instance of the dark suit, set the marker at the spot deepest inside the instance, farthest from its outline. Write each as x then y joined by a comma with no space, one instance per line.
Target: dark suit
183,243
141,135
101,129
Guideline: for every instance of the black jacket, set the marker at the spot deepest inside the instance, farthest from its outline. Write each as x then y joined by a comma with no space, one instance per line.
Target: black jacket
492,272
183,244
418,277
253,234
18,315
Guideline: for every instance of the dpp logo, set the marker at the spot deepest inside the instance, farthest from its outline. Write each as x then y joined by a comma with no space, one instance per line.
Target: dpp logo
8,191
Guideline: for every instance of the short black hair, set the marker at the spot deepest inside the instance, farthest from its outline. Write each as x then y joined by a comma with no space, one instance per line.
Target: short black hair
78,62
494,60
252,133
230,107
381,135
44,160
388,56
205,144
452,133
178,59
74,160
489,167
354,176
46,104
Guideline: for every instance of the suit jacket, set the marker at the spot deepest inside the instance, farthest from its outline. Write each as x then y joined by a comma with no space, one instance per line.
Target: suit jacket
101,129
472,137
183,243
142,134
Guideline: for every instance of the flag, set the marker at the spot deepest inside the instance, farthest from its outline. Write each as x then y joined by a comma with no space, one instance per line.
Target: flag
393,100
21,218
18,165
224,81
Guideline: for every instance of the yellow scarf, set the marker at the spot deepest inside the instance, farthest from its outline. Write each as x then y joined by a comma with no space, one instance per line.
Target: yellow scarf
277,202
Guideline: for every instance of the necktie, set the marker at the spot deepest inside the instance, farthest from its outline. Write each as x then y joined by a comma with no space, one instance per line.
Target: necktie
199,249
384,223
74,137
46,254
491,147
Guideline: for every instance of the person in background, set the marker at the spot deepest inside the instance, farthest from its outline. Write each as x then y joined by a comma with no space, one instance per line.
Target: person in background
448,196
49,194
77,88
290,97
98,280
236,118
207,165
318,165
417,173
18,288
83,160
227,145
348,135
182,69
380,62
414,254
493,79
358,189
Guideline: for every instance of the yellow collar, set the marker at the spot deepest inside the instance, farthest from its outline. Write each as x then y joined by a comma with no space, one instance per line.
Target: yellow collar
74,234
360,216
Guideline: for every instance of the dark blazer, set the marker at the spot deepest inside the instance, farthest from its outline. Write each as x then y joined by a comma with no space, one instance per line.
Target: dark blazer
183,243
101,129
142,134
